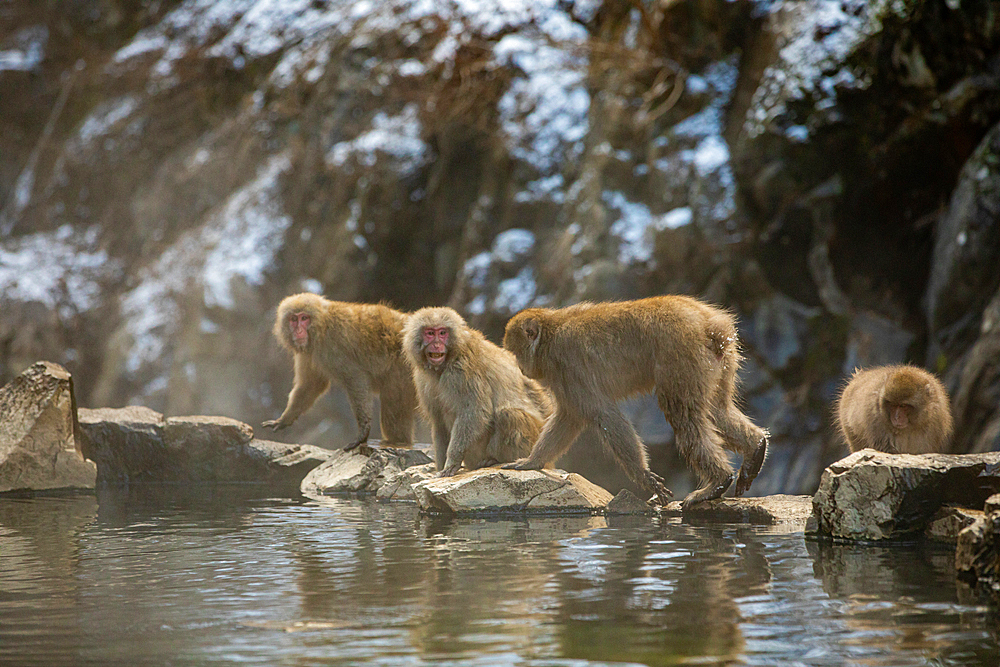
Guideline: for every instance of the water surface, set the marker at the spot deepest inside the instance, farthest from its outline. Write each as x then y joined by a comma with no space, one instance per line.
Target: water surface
221,577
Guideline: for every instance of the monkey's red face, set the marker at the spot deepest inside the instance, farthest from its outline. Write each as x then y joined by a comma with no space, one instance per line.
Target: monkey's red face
435,342
298,325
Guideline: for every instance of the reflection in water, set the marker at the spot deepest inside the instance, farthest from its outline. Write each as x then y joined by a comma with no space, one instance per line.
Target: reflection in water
219,575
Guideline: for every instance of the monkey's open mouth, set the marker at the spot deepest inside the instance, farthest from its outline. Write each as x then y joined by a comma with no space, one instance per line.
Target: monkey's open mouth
435,357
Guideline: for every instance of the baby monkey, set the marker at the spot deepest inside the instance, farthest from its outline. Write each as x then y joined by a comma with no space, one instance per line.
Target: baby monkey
895,409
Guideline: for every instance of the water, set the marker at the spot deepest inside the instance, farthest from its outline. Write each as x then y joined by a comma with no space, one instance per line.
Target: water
221,577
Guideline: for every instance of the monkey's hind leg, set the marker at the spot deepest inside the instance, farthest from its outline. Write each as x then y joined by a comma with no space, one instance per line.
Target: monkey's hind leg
701,446
742,436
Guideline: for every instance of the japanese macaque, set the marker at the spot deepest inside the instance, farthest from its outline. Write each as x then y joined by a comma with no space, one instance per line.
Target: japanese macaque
592,355
481,408
355,345
895,409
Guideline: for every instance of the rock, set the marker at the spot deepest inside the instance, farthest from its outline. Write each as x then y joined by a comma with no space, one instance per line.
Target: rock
992,503
497,490
977,554
39,448
791,512
870,495
136,445
398,484
360,470
627,502
948,522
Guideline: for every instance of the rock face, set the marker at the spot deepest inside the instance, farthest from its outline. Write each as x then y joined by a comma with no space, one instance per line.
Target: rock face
38,445
875,496
136,445
364,470
496,490
977,555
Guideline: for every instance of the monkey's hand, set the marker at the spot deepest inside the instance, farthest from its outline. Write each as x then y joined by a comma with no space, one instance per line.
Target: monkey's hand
661,494
523,464
354,445
276,424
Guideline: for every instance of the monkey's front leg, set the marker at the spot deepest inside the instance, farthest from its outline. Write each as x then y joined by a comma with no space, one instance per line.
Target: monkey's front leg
557,435
469,428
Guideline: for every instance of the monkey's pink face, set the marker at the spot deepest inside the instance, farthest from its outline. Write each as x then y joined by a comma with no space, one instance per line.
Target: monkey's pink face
435,342
298,326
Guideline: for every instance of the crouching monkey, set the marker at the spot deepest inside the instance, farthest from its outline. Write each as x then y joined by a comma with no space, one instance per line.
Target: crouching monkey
357,346
481,408
895,409
592,355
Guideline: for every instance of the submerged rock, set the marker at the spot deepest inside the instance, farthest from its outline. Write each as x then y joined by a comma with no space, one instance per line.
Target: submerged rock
789,511
871,495
497,490
136,445
363,470
39,448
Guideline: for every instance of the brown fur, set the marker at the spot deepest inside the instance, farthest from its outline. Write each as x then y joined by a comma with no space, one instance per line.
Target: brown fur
593,355
357,346
864,411
481,408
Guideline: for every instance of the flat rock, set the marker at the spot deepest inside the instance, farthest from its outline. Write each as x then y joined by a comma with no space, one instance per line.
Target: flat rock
790,512
871,495
135,446
362,470
497,490
39,443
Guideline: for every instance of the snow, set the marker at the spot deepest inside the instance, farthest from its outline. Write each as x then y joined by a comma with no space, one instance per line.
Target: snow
517,293
29,49
104,117
62,270
513,245
395,136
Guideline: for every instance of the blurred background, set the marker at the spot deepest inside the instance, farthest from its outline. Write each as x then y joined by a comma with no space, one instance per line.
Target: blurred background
828,169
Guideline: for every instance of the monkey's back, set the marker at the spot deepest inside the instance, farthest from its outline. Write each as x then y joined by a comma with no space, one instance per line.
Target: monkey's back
626,342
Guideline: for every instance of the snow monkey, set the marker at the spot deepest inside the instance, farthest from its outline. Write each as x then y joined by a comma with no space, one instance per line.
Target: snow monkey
356,345
895,409
592,355
481,408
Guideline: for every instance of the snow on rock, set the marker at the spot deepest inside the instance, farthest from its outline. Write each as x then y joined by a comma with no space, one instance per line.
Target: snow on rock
239,240
395,136
815,38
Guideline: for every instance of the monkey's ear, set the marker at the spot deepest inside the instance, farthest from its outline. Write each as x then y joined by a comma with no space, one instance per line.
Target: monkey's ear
530,329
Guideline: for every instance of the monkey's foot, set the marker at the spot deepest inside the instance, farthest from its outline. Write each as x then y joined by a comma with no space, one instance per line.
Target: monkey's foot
523,464
707,493
450,471
750,468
